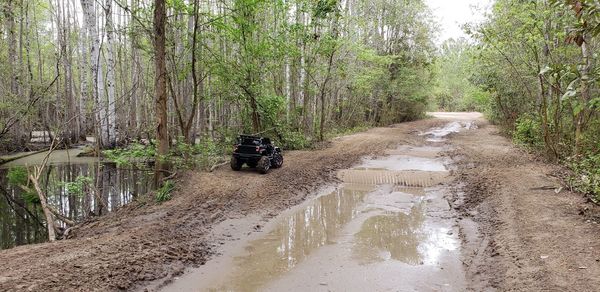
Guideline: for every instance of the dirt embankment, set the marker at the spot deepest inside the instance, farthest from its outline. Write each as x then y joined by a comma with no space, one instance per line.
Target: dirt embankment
144,241
533,235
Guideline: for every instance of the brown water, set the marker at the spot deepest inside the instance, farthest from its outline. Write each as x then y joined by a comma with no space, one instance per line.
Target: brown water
117,187
387,227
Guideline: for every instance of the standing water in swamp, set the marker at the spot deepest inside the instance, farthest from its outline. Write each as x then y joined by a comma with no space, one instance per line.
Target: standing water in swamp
79,188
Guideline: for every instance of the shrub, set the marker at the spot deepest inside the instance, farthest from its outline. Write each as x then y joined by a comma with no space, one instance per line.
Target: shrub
586,178
294,140
528,132
164,192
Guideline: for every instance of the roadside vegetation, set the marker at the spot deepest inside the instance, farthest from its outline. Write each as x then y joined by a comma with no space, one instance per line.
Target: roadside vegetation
533,69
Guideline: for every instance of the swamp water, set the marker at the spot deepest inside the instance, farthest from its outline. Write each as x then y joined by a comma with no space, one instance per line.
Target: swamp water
387,227
116,187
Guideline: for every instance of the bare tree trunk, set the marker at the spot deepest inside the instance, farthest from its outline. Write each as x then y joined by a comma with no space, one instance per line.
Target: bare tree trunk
110,79
135,79
585,93
44,202
160,89
83,81
89,13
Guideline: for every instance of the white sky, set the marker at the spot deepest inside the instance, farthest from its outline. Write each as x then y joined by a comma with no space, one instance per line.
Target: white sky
451,14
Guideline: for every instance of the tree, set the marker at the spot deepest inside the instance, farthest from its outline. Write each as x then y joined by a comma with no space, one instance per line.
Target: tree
160,90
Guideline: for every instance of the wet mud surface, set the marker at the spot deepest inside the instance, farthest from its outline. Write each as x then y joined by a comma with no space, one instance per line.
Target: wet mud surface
144,243
490,221
389,216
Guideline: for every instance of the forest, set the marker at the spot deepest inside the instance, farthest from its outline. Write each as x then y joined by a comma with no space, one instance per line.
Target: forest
175,81
296,69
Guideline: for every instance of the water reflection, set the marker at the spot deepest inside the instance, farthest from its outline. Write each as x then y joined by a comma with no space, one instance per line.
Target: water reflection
396,236
22,222
295,238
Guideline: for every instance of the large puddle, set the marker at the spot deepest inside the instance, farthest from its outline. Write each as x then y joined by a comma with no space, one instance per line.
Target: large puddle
21,221
387,227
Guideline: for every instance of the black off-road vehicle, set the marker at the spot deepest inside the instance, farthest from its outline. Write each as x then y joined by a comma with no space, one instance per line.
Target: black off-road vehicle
256,152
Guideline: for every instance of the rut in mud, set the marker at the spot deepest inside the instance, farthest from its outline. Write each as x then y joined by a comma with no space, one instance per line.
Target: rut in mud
145,242
511,226
389,216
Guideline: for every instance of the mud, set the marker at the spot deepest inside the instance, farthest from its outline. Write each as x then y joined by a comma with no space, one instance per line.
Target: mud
512,235
521,229
145,243
384,216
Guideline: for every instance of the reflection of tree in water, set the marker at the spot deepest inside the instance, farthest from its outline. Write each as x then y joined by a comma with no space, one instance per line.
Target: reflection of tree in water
399,234
295,239
24,226
20,220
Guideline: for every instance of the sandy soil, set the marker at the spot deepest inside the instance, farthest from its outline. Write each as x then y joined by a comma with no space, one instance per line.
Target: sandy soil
518,233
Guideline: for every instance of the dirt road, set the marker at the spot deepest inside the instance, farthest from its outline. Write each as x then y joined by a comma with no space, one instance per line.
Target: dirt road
514,231
534,235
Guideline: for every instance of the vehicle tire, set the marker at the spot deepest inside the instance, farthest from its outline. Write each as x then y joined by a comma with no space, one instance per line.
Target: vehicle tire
277,161
263,165
235,164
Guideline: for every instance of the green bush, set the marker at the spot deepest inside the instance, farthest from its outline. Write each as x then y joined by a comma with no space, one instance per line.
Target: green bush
78,186
528,132
474,100
17,176
164,192
294,140
586,178
132,153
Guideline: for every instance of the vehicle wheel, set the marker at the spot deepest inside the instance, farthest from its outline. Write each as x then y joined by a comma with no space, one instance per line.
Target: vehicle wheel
235,164
277,161
264,164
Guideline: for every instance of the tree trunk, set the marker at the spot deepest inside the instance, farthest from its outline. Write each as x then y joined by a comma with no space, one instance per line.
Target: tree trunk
135,72
89,12
44,202
109,103
83,79
160,89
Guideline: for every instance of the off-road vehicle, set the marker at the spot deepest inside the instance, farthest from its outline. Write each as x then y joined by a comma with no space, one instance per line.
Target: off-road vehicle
256,152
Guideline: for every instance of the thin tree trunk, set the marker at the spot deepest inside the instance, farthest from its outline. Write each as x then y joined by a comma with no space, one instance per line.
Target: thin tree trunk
44,202
89,13
110,79
160,89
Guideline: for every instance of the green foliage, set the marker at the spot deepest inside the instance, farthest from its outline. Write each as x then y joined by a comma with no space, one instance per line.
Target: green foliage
324,7
587,175
272,109
528,132
294,140
77,187
131,154
17,176
164,192
456,89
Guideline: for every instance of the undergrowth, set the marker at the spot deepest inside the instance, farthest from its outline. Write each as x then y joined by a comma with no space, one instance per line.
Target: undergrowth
586,177
164,192
585,167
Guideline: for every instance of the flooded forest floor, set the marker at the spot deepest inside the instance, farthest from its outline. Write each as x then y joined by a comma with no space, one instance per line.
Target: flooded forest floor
515,226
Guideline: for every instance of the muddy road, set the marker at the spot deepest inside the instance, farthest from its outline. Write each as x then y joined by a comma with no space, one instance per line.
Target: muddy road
443,204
